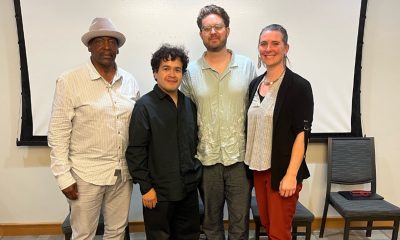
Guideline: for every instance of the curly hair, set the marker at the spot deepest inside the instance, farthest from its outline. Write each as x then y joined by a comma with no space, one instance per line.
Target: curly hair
212,9
167,52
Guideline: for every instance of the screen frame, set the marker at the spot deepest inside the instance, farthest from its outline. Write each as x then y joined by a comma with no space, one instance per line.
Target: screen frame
27,138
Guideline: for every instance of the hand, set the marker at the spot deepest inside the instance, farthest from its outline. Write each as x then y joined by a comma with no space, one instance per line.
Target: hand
71,192
150,199
287,186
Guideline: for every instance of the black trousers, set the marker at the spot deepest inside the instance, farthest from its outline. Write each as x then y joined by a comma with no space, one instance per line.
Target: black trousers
173,220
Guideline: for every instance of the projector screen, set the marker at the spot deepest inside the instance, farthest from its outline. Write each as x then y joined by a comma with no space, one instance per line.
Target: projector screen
322,38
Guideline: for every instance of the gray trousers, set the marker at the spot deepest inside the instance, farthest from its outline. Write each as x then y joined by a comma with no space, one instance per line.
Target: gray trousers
226,183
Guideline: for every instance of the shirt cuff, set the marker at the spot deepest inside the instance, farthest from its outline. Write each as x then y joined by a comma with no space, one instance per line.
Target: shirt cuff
144,187
65,180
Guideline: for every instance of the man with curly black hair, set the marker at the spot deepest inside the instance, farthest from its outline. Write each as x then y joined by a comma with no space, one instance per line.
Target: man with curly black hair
161,152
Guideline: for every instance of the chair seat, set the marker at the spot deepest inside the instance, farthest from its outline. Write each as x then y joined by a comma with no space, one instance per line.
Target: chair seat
67,230
363,208
254,209
301,214
201,209
302,218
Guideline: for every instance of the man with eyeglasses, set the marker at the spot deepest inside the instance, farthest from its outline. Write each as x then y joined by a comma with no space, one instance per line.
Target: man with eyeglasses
88,135
218,83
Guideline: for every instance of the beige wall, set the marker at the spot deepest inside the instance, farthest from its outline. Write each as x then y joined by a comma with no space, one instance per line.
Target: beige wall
28,192
380,92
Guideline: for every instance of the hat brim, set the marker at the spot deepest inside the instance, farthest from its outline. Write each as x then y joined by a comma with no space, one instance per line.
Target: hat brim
103,33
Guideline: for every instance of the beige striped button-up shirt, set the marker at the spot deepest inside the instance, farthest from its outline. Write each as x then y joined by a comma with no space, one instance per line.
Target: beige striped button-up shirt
88,131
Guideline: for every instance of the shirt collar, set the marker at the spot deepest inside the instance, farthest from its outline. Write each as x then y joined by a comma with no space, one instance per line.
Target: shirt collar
161,94
94,74
232,63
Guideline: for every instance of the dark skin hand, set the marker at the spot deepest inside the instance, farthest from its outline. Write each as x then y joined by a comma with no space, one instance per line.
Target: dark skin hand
71,192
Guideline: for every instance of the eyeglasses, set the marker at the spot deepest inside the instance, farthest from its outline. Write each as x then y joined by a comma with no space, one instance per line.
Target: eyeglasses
216,27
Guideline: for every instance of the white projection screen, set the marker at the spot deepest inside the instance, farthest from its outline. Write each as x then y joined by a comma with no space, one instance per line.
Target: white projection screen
322,38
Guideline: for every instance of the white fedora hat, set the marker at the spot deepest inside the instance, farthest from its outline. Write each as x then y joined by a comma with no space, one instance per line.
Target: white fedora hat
102,27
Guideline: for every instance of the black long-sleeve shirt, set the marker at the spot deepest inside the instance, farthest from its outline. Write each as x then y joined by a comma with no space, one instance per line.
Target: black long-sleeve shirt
162,145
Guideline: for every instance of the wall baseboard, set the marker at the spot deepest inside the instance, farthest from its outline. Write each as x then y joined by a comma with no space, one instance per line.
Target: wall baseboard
55,228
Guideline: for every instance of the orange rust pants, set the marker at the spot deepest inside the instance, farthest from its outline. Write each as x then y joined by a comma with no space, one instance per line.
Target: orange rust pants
276,212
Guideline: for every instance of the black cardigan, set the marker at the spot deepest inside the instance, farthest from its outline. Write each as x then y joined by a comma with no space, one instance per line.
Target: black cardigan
293,114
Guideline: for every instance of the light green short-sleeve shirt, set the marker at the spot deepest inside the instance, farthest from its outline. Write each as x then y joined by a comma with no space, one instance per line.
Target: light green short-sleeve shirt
221,108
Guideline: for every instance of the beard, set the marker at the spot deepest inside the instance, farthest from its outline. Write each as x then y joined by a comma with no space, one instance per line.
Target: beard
218,47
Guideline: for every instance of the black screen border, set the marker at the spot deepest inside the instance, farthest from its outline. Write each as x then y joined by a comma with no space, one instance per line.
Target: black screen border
27,138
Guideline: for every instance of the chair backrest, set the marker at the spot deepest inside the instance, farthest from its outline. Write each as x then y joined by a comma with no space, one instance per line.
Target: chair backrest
351,161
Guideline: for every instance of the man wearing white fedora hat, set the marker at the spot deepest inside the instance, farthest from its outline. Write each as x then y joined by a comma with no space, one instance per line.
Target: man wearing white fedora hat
88,135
